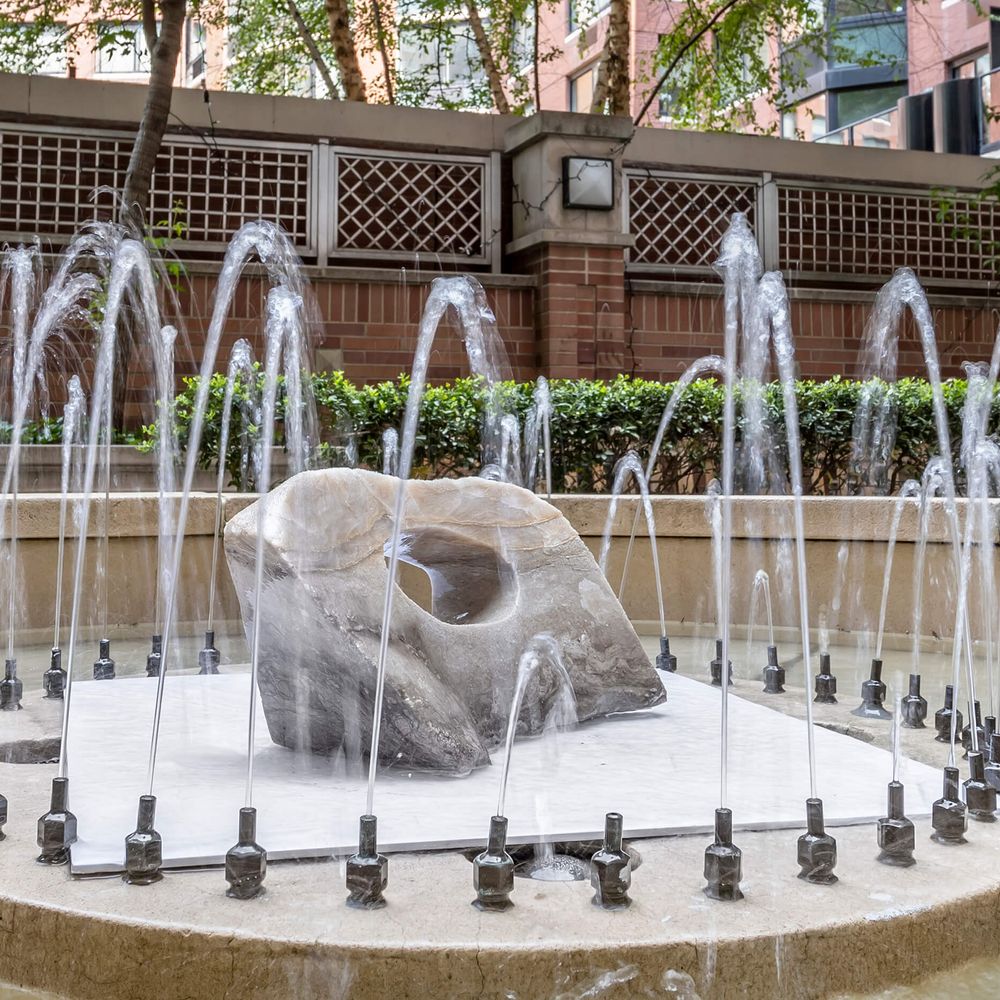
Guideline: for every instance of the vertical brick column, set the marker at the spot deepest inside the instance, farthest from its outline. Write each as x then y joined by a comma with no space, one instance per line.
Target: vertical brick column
576,254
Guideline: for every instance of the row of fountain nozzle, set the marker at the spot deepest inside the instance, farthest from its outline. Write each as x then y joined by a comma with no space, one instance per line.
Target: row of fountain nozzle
54,679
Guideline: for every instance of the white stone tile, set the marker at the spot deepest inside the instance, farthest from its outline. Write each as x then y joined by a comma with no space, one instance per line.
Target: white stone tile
659,768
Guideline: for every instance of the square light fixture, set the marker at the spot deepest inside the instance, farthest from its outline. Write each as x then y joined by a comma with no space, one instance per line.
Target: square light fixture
588,183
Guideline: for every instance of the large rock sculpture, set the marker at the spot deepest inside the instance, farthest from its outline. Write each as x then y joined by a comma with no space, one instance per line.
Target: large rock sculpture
503,566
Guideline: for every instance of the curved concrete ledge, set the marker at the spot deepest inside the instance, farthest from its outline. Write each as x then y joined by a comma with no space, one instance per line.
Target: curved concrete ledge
860,524
99,939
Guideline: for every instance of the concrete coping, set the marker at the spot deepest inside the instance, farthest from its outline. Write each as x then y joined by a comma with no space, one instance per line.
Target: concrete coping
861,519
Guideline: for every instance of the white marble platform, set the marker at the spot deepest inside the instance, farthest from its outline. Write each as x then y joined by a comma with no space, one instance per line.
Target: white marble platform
660,768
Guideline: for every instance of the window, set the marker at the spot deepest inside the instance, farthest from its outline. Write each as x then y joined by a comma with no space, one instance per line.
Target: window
806,120
858,44
125,51
853,105
581,13
43,52
581,88
970,67
194,47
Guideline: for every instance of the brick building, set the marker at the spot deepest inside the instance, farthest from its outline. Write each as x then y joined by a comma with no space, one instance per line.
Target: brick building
922,44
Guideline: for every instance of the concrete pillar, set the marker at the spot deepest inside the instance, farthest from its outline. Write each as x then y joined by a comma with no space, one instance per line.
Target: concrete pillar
578,254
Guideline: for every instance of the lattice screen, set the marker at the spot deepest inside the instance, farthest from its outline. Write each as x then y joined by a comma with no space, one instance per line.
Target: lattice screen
861,233
391,206
47,180
53,182
679,222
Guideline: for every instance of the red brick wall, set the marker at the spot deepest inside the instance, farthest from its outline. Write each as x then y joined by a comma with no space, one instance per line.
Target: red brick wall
367,328
666,330
583,319
579,309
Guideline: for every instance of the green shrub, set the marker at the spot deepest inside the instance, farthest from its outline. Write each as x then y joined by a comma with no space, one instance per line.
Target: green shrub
594,423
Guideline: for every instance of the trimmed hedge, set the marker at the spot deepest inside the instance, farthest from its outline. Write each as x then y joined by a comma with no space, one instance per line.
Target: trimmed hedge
594,423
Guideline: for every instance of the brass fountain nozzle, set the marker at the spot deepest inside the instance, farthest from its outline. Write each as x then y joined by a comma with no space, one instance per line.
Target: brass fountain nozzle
774,673
367,871
665,660
493,870
942,717
723,861
54,679
611,867
948,812
246,861
57,827
715,667
873,695
154,660
980,796
896,838
826,683
913,706
11,688
209,658
104,666
144,846
817,850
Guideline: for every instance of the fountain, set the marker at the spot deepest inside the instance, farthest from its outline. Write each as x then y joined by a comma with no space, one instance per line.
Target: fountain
460,706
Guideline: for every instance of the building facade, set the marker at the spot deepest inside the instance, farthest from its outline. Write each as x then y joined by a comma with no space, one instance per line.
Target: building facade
845,99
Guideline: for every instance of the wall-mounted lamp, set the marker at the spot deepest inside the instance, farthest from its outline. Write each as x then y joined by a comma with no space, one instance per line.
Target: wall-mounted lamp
588,183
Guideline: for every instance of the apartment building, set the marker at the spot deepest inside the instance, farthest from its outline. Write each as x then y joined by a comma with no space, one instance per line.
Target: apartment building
844,100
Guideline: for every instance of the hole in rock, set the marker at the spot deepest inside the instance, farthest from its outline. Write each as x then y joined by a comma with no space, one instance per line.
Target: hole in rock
456,580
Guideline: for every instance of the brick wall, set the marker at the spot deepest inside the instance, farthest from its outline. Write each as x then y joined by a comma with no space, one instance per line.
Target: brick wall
571,312
579,309
666,329
368,328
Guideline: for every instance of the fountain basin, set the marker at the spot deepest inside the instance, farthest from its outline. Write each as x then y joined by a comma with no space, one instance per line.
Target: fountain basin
183,938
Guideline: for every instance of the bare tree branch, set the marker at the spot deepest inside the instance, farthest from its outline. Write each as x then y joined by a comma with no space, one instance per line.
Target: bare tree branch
681,52
387,68
149,24
486,57
314,53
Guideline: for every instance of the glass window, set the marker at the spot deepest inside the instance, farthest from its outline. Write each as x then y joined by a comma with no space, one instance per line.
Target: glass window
863,8
806,120
126,52
581,88
861,44
970,67
194,42
853,105
50,59
584,12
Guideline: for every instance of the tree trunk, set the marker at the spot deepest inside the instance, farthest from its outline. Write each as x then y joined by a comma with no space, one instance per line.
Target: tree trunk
383,49
163,55
486,58
345,50
163,64
600,95
312,48
535,57
618,58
